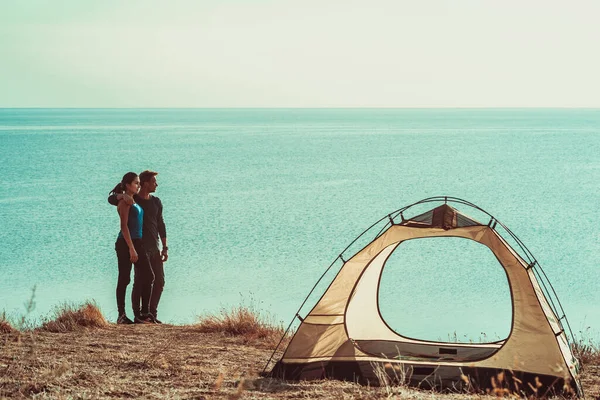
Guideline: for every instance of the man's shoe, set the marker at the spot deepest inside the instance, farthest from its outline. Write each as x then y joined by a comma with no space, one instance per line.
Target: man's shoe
123,320
144,319
156,321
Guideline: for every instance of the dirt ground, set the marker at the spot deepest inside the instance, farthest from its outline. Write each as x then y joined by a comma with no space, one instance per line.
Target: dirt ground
172,362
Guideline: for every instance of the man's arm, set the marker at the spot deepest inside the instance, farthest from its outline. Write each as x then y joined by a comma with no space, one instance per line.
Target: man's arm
115,198
162,231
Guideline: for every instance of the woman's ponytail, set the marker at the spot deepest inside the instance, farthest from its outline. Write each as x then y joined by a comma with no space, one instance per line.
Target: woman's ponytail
120,188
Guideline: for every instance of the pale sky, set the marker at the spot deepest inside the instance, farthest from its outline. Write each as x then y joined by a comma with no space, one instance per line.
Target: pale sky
326,53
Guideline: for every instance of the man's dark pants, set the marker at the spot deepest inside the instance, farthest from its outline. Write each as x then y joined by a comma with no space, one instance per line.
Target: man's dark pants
159,279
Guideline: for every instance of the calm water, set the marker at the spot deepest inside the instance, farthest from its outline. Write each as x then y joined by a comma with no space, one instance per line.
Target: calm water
259,202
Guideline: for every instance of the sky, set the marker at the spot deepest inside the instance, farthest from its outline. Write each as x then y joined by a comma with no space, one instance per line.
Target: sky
326,53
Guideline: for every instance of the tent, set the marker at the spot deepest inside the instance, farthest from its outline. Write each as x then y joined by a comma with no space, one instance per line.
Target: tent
344,336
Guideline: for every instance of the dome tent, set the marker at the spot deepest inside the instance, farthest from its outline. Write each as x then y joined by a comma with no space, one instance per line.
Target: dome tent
345,337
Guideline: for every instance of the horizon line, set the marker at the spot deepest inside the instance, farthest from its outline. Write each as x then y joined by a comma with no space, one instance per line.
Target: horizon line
313,108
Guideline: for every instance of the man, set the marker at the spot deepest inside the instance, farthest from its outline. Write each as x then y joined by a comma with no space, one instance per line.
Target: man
153,228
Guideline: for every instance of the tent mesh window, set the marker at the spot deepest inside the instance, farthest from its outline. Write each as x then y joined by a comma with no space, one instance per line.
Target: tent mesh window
450,290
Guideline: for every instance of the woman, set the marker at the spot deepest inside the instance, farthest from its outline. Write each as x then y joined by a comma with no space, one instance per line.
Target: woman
130,250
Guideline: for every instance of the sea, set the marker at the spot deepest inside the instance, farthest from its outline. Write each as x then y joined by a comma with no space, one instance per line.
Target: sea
258,203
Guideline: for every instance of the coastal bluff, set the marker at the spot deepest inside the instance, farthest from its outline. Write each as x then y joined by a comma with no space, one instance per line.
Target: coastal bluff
178,362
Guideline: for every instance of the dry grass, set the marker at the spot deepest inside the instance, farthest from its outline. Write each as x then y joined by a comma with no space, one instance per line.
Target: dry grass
162,361
175,362
243,322
219,358
5,326
69,318
586,348
588,351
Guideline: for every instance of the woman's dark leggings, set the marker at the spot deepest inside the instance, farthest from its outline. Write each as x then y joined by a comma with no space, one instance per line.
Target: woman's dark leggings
142,278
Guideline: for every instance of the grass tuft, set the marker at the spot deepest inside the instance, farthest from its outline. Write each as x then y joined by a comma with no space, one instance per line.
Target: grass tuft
242,321
69,318
587,352
587,348
5,326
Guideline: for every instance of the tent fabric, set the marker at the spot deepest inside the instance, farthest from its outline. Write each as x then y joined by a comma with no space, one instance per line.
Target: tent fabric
444,217
345,326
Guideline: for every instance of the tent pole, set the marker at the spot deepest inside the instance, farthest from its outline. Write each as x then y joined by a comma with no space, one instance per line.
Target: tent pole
300,309
313,288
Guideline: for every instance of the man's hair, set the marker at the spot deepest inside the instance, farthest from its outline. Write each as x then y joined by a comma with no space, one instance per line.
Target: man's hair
147,175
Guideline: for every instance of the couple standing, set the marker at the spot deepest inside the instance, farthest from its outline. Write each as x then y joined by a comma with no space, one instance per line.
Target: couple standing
142,224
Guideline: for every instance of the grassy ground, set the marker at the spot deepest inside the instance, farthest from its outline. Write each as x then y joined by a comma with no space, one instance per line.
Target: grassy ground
203,361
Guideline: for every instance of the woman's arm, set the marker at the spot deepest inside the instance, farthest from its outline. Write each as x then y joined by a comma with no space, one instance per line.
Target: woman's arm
123,209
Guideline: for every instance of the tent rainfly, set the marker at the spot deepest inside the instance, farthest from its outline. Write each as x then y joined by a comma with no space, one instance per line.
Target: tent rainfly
345,337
